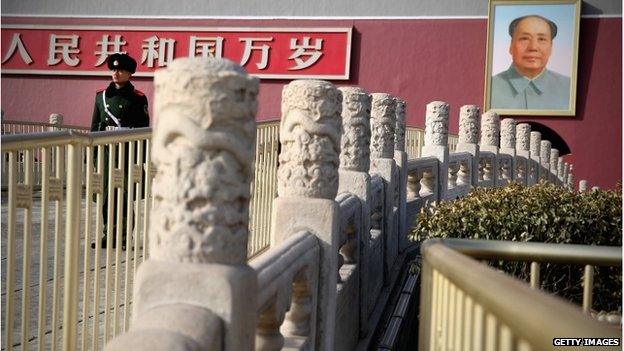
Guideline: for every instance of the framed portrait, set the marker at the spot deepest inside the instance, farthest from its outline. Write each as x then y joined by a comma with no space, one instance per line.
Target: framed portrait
532,57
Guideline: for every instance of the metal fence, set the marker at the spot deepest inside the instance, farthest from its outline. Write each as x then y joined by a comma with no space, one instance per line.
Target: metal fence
27,127
466,305
63,192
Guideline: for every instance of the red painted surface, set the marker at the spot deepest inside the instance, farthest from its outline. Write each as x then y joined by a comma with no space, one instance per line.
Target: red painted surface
85,56
417,60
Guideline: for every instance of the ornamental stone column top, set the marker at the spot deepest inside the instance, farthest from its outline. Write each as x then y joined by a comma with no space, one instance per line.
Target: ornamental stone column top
545,146
56,118
554,158
356,135
583,185
508,133
436,124
536,139
523,132
310,133
560,167
383,124
468,124
203,149
399,131
490,128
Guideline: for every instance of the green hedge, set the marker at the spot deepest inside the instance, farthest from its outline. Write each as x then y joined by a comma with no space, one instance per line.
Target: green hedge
541,213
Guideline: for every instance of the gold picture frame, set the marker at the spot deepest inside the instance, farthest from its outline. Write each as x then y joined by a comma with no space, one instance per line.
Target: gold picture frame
532,57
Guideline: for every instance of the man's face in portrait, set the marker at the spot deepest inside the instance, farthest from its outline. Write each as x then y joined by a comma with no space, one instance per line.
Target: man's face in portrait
531,46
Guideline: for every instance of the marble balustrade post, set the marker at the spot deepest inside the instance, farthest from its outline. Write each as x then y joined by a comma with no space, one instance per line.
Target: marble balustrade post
383,126
308,180
469,121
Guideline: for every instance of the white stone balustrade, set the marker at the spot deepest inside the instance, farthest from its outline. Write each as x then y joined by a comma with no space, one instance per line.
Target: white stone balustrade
400,158
554,166
535,162
545,147
353,174
57,119
507,152
310,135
194,288
582,186
468,136
337,229
383,125
523,155
489,147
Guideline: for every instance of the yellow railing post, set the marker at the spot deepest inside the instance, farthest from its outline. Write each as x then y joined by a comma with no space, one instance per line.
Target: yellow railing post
72,240
10,278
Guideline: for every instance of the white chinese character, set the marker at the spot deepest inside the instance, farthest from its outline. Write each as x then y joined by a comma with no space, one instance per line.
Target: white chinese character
302,50
104,48
155,48
16,44
64,45
249,46
206,46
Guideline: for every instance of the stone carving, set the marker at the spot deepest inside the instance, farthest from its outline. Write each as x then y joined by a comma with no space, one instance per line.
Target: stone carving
383,123
310,136
560,167
354,147
436,124
536,139
554,157
399,131
468,124
583,185
545,146
56,118
490,128
508,133
203,144
523,130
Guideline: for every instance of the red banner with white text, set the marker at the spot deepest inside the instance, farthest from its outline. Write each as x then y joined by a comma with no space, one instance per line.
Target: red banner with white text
273,53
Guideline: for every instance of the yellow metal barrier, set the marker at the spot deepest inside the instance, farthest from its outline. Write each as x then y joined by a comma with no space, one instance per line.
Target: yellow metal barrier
83,294
467,305
28,127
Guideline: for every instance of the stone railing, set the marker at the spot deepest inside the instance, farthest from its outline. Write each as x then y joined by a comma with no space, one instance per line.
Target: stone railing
346,197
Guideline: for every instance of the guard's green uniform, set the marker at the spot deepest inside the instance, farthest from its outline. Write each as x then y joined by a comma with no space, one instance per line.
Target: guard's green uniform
129,107
127,104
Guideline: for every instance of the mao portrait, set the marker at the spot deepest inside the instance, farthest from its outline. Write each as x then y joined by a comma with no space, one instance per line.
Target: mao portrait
532,57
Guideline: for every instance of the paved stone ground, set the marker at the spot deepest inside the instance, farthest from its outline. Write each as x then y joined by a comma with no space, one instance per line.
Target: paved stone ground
50,282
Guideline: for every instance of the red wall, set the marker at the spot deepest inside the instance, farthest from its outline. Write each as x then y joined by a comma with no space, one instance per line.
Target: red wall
417,60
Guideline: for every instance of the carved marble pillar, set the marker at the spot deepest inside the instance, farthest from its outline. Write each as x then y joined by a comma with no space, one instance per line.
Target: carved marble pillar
354,177
566,173
560,169
468,136
554,159
523,164
490,137
508,147
545,147
583,186
400,158
383,126
56,119
436,143
308,179
203,149
536,140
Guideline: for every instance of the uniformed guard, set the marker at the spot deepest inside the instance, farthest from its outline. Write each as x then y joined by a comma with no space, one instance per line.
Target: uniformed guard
118,106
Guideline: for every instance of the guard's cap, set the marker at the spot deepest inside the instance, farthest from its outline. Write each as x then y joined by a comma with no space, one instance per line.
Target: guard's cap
121,61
